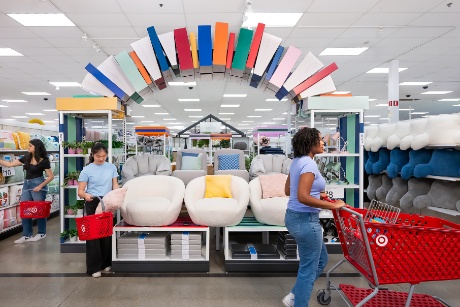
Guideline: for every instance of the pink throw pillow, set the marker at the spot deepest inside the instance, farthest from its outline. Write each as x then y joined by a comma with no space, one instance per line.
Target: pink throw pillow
113,200
273,185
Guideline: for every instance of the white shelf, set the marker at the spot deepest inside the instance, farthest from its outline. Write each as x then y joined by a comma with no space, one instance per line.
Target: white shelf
345,186
71,187
67,216
13,150
444,178
75,242
11,227
75,155
10,206
10,184
337,155
445,211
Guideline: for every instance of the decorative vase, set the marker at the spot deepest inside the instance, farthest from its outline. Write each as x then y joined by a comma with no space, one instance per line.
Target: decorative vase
79,151
71,151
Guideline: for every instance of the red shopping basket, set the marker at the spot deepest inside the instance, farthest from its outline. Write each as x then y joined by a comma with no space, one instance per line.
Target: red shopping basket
35,209
91,227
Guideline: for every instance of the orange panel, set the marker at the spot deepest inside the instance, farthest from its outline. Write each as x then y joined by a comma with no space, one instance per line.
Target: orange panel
140,66
220,43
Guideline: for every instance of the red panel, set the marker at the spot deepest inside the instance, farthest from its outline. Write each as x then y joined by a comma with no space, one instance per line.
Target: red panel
183,49
315,78
255,45
230,49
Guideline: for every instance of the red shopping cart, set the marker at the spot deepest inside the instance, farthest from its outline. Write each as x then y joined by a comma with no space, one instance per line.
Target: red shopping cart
91,227
35,209
386,247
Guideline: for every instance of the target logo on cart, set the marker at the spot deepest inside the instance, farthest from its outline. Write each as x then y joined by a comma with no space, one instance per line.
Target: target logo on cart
33,209
82,228
381,240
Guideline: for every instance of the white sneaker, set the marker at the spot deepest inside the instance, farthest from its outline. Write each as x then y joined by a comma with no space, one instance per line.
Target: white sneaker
22,240
288,300
38,237
107,269
97,274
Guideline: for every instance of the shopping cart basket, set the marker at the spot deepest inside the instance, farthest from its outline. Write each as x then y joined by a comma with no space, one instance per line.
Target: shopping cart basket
95,226
35,209
412,250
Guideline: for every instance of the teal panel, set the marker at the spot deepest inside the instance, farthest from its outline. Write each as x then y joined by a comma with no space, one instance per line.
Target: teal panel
130,70
242,49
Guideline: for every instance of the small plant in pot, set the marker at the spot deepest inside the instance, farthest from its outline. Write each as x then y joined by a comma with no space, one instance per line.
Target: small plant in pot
79,206
79,147
72,147
225,143
73,233
86,147
64,235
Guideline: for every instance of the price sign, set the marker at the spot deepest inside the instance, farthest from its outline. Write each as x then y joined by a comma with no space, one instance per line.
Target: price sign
334,192
8,171
61,138
361,139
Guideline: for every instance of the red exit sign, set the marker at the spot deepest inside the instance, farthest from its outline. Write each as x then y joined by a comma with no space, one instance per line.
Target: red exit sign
393,103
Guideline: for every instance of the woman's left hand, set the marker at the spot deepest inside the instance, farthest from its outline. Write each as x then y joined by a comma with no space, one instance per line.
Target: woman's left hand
37,189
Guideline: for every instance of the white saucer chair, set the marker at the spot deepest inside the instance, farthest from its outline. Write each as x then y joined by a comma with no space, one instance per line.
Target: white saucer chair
153,200
270,211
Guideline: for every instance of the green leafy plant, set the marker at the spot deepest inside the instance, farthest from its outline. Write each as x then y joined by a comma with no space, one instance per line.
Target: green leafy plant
79,204
64,234
202,143
73,232
225,143
248,160
86,145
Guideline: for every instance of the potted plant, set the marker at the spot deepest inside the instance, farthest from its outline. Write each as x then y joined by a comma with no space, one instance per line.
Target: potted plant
63,236
73,233
86,147
225,143
79,204
70,210
72,147
79,147
203,143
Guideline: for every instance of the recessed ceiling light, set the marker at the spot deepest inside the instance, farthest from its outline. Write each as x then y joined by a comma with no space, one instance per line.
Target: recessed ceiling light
419,113
247,121
36,93
10,100
230,106
48,121
449,99
371,115
97,127
271,20
169,119
372,99
254,116
235,95
343,51
50,110
66,84
182,83
226,113
196,116
415,83
224,118
35,114
382,70
42,20
20,116
381,105
192,110
188,99
436,92
278,118
263,110
243,124
3,106
150,105
147,121
341,92
137,116
383,118
269,123
161,113
455,105
406,109
274,99
9,52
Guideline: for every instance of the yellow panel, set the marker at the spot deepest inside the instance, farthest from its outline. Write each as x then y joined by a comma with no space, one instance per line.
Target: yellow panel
99,103
194,50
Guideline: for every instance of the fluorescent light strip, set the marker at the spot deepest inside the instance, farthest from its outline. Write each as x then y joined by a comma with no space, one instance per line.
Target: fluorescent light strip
169,119
371,116
224,118
254,116
381,105
12,100
188,99
278,118
42,20
147,121
243,124
382,70
50,110
161,113
35,114
182,83
3,106
419,113
406,109
235,95
230,106
20,116
150,105
192,110
447,99
343,51
263,110
247,121
137,116
436,92
415,83
36,93
9,52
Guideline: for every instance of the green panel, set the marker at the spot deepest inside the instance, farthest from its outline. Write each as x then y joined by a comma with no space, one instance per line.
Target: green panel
351,161
242,49
71,162
130,70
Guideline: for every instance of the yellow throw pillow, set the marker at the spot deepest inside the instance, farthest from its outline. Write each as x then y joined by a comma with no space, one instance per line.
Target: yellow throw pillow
218,186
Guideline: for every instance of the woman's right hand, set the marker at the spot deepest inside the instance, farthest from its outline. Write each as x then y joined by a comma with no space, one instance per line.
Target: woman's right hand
338,203
88,197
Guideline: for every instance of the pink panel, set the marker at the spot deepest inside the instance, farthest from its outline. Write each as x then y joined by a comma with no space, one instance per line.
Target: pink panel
284,68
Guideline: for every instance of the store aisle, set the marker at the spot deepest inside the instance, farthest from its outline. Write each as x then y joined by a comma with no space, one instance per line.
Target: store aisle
36,274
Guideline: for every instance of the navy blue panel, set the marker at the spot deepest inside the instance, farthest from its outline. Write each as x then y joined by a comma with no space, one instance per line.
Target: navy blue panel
155,41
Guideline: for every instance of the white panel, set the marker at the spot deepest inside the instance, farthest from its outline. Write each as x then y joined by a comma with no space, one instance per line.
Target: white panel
169,46
27,6
144,51
91,84
99,20
267,49
307,67
112,71
325,85
328,19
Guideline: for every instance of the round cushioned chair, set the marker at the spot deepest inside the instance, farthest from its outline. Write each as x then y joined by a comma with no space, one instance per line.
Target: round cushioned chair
153,200
218,211
270,211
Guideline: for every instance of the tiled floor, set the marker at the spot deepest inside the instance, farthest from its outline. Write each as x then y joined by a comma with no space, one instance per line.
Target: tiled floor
37,274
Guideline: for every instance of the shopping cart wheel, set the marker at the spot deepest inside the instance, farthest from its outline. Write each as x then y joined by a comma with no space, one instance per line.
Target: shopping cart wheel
320,297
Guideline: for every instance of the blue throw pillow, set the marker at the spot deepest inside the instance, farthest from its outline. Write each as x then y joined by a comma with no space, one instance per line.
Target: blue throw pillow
189,154
227,162
191,163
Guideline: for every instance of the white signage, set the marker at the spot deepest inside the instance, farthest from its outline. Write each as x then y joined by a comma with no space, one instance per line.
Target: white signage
8,171
334,192
213,127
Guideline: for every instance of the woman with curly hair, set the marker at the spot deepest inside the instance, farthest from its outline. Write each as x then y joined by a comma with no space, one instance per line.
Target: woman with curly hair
303,186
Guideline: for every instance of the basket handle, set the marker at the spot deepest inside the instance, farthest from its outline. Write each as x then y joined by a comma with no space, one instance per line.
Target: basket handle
100,200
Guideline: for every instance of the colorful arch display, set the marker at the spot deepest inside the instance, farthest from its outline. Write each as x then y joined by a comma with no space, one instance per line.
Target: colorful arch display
255,56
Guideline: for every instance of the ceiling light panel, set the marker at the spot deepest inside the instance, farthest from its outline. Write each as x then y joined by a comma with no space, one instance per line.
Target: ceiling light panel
42,20
415,83
9,100
36,93
235,95
9,52
382,70
343,51
436,92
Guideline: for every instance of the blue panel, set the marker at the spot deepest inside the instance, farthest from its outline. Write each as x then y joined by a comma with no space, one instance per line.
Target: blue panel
106,81
274,63
157,47
79,137
205,45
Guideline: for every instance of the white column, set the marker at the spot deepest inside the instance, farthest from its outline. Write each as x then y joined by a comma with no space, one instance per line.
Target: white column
288,135
393,92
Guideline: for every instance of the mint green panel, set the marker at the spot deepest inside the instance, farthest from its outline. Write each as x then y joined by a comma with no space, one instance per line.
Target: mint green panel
242,49
131,71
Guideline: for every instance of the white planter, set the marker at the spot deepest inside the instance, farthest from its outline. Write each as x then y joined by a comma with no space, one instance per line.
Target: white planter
79,211
73,239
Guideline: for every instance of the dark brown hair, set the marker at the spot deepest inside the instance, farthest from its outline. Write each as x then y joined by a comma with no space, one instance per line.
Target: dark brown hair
97,147
304,140
39,153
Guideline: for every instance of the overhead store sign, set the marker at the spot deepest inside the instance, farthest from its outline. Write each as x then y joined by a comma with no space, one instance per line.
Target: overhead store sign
210,127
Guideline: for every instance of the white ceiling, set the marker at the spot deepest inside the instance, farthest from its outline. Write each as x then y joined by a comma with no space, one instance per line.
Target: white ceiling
422,34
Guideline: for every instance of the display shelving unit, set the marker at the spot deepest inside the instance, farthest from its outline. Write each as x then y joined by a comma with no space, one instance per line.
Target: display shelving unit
209,137
166,263
277,135
71,129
